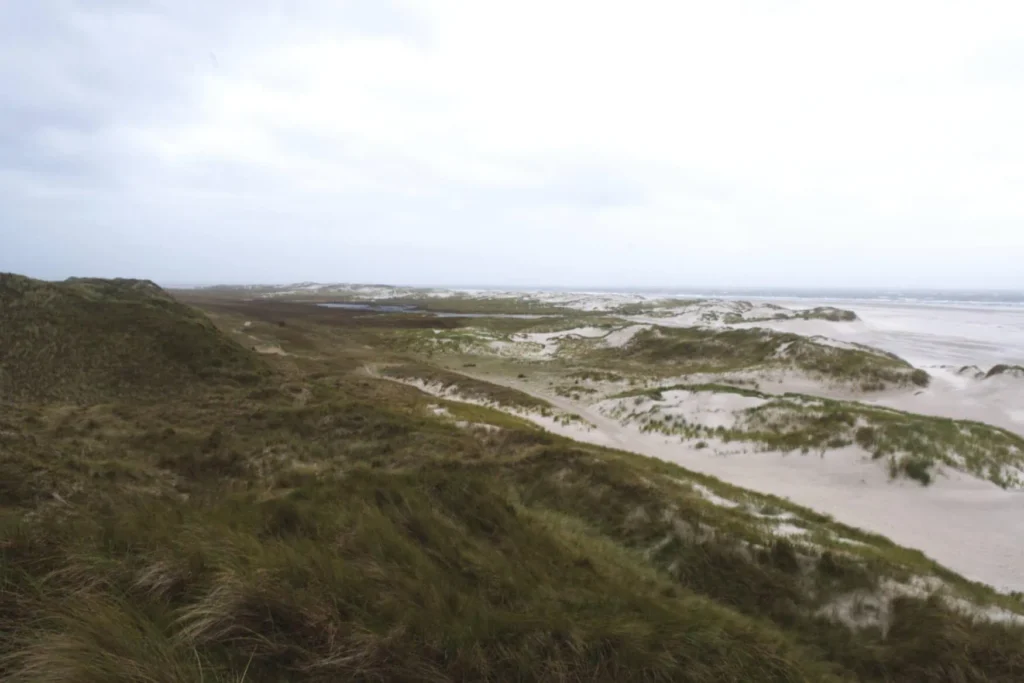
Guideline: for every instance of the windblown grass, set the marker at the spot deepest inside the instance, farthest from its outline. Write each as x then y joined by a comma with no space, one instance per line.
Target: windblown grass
89,339
324,526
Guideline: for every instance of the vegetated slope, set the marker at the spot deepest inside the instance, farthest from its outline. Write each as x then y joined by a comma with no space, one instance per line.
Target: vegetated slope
911,444
330,526
646,349
86,339
1003,369
694,350
714,311
467,386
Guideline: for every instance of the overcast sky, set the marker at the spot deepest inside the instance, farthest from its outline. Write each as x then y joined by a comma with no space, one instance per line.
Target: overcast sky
525,142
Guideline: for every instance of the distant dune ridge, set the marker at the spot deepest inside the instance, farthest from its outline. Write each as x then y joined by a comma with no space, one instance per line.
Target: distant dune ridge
86,339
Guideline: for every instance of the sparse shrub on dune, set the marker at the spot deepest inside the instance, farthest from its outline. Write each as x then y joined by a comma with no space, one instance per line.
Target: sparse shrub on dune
1003,369
916,468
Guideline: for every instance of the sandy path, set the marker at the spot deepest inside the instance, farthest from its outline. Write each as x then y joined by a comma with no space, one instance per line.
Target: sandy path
969,525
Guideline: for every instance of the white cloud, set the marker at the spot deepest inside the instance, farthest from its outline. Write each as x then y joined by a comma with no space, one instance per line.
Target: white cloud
551,142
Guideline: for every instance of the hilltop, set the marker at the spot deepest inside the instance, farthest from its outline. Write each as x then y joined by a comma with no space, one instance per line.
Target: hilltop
91,339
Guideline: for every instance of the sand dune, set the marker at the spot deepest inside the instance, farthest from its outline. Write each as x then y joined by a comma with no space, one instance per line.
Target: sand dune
968,524
972,526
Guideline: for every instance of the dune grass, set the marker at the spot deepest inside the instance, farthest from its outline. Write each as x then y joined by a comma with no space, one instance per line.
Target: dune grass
1003,369
828,313
86,339
468,387
664,350
914,443
699,350
324,525
359,539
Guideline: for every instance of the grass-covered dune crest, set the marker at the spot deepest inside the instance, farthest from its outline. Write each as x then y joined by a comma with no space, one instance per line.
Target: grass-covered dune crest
89,339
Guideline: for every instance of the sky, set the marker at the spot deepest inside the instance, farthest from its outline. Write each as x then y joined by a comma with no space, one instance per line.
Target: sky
526,142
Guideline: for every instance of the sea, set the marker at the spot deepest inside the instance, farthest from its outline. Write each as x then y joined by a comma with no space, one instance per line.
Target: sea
917,297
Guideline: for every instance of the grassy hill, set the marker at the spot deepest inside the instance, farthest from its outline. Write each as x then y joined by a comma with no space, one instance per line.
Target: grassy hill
328,525
87,340
693,350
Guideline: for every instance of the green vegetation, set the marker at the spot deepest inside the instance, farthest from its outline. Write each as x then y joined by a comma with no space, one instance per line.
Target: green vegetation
659,351
657,393
698,350
478,305
595,376
321,524
797,422
1003,369
732,312
918,441
914,467
475,336
468,387
657,307
836,315
575,391
828,313
88,339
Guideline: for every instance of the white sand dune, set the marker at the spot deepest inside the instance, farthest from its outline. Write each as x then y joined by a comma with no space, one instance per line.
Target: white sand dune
527,343
705,408
996,400
964,523
623,336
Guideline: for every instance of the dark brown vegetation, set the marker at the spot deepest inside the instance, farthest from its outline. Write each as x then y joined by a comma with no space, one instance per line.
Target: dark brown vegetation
318,524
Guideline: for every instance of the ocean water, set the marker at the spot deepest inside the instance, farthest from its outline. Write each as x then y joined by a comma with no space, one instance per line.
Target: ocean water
998,298
935,297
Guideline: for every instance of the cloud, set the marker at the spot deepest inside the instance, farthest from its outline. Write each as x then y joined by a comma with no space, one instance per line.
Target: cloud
533,142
